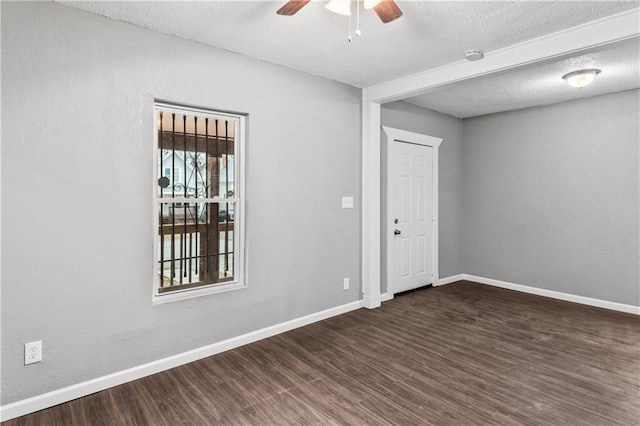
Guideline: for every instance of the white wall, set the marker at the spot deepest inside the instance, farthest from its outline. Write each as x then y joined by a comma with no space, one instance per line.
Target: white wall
551,197
77,159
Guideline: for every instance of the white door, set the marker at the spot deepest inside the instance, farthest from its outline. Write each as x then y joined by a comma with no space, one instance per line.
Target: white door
411,215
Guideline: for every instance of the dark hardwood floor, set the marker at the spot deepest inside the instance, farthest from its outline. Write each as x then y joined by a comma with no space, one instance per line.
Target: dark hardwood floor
460,354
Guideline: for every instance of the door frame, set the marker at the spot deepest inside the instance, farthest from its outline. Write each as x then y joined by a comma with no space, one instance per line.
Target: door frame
394,135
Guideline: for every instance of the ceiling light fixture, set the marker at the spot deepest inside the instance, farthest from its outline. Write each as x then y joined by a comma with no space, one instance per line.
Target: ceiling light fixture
581,78
343,7
387,10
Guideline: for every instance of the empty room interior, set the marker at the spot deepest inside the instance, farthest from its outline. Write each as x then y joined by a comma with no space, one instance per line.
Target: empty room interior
349,212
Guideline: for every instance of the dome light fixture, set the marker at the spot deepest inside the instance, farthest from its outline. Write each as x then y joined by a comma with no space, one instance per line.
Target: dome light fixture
581,78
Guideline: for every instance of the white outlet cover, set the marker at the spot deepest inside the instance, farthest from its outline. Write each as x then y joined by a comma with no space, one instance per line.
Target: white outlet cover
345,284
32,352
347,202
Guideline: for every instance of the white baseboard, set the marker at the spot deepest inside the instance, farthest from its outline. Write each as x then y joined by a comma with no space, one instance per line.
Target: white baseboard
621,307
386,296
449,280
437,282
69,393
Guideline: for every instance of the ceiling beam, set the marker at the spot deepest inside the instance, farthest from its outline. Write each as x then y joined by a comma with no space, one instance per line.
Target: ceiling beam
592,34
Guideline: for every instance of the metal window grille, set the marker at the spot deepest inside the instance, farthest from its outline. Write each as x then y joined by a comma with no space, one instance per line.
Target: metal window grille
197,198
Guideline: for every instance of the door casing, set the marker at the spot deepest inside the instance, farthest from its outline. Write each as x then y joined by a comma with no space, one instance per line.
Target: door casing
392,135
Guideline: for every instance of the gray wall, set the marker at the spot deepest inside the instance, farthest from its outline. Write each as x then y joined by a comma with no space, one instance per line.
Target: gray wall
551,197
77,126
408,117
550,194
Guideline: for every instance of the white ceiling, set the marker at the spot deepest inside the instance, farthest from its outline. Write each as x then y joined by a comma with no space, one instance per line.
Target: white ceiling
538,84
429,35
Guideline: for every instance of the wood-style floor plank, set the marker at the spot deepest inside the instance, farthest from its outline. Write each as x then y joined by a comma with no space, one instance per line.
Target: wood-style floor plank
461,354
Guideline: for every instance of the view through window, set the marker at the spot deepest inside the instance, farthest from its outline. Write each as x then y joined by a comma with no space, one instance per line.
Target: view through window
197,198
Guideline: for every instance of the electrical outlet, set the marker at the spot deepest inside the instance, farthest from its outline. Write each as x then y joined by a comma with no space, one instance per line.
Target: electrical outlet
32,352
345,284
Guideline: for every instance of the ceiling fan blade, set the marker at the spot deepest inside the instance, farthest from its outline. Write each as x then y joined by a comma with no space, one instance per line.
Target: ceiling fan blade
387,11
292,7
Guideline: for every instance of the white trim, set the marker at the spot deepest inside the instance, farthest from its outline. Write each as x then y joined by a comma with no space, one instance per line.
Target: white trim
549,47
621,307
219,200
49,399
190,293
449,280
371,205
386,297
605,304
154,196
398,135
239,265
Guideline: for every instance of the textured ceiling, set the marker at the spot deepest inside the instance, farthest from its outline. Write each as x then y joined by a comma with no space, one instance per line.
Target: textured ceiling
429,35
538,84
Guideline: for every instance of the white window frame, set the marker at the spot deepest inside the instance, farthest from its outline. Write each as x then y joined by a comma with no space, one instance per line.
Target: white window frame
239,272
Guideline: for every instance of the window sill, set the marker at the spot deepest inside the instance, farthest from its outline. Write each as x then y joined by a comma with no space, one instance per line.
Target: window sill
159,299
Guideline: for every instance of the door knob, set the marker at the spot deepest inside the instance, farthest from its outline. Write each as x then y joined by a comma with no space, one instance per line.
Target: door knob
396,232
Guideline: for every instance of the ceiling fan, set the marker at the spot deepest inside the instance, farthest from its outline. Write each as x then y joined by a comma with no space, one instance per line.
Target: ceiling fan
387,10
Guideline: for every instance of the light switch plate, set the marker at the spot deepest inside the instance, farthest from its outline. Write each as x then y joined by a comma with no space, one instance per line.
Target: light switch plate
347,202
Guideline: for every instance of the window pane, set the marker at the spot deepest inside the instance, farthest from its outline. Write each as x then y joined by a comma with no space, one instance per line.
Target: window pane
195,156
195,244
196,162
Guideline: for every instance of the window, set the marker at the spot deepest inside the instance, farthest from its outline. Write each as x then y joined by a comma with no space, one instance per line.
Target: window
173,177
198,201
